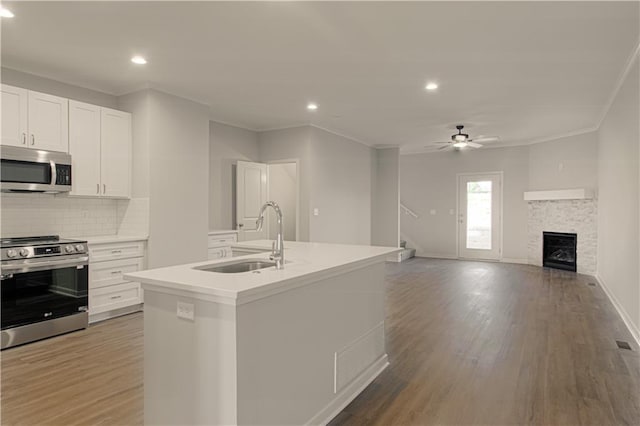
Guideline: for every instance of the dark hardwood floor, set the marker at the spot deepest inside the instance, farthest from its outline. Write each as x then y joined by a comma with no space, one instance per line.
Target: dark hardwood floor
469,343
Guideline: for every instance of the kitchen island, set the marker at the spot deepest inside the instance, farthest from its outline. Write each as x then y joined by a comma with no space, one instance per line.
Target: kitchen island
267,346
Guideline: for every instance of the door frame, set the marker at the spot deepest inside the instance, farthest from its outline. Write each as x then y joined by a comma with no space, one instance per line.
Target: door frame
500,212
297,162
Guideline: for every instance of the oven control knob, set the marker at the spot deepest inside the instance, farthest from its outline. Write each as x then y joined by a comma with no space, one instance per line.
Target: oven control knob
24,252
70,249
79,247
12,253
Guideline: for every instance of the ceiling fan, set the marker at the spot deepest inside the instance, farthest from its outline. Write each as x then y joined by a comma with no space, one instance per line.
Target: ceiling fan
461,140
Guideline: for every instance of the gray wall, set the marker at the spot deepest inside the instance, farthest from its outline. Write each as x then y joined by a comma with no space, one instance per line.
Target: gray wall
292,144
53,87
429,182
385,198
618,212
340,188
228,144
283,189
179,180
569,162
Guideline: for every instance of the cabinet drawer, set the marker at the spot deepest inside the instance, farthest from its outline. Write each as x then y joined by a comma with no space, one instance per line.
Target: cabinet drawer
114,251
102,274
114,297
221,240
219,252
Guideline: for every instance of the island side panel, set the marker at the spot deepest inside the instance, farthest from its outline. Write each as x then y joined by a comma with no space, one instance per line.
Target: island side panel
189,366
288,344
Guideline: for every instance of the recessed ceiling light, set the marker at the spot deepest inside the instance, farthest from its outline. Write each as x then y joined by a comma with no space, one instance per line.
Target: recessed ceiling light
431,86
6,13
312,107
138,60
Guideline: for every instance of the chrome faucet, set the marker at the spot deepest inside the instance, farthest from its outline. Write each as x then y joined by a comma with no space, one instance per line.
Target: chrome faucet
277,247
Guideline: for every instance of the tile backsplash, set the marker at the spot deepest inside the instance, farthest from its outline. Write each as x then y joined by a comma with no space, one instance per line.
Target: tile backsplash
42,214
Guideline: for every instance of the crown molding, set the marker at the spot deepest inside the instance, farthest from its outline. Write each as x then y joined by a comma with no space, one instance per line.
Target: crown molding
616,89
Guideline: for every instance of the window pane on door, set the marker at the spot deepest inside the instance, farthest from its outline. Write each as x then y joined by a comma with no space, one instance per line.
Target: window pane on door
479,215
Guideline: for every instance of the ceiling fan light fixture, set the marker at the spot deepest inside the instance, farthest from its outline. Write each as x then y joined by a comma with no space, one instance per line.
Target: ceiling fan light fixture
460,144
460,137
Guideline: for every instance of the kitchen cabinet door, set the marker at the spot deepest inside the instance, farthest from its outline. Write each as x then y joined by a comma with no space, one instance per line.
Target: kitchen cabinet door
84,147
14,115
48,122
116,153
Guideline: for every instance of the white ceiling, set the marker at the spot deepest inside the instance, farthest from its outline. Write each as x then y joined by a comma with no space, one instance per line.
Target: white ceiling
521,70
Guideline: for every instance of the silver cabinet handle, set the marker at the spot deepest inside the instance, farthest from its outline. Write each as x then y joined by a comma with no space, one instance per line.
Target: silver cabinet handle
24,139
116,251
97,188
104,188
115,297
33,139
116,272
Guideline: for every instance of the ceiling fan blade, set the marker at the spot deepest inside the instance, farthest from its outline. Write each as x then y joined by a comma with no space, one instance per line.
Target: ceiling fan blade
443,147
486,139
473,144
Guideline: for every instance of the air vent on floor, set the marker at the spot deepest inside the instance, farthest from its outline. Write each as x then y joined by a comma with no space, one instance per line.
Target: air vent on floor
623,345
592,284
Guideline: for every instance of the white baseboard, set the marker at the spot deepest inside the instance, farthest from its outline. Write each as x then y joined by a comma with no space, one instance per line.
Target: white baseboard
435,256
115,313
515,260
635,332
350,392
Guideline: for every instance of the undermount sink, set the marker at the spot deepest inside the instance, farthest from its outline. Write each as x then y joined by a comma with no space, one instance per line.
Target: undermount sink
238,266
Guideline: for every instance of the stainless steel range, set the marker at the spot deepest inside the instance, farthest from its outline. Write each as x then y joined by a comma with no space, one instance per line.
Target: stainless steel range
44,288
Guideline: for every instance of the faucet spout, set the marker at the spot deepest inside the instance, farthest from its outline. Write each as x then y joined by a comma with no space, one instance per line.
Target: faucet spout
277,253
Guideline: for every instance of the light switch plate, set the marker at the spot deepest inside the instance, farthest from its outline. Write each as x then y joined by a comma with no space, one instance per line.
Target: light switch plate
432,212
186,311
316,211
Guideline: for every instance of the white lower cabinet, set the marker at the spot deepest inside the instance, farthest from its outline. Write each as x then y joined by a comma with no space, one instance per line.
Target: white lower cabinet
110,294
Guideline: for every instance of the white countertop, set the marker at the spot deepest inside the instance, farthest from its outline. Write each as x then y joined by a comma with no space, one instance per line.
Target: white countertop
105,239
305,263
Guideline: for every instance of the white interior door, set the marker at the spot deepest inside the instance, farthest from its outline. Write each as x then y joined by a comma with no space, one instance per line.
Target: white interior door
479,216
251,194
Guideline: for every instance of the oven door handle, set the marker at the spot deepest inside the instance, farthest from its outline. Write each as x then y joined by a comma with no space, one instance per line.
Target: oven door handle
44,265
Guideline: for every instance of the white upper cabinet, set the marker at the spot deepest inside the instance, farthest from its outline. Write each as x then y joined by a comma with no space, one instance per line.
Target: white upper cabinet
84,147
34,120
14,116
48,122
100,148
116,153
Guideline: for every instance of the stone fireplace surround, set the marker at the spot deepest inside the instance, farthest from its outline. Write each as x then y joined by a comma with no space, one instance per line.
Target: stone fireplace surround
571,216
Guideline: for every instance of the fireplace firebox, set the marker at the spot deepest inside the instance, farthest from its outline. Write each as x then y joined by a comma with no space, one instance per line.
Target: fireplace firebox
559,250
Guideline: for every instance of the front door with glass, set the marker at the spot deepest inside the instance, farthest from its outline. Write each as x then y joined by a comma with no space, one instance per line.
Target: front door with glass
479,216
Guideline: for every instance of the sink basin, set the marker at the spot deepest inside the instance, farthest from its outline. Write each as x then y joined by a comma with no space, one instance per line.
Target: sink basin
238,266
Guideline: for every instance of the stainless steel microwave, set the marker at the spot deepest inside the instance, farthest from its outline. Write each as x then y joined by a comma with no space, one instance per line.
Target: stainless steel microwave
32,170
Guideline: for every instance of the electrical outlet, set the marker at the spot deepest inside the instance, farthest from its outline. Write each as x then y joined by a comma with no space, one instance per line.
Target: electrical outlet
451,212
186,311
316,211
432,212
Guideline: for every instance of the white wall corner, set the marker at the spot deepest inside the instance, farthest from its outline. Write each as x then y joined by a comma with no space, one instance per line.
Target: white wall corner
628,322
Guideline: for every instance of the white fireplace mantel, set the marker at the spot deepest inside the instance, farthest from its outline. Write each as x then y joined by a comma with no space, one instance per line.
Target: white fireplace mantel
562,194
